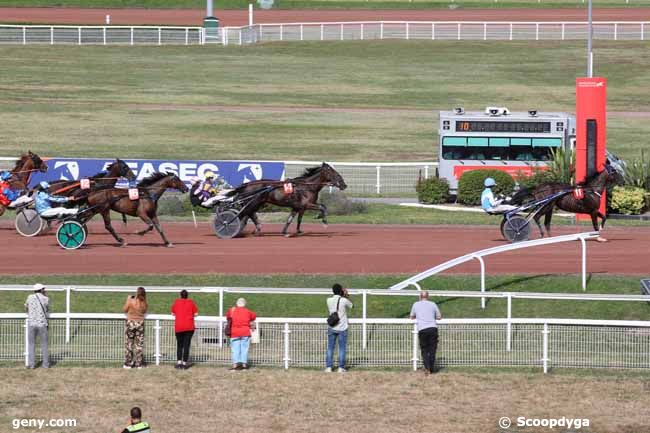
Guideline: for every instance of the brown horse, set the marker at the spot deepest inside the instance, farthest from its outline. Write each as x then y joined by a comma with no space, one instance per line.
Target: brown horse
303,197
104,179
590,191
150,190
22,172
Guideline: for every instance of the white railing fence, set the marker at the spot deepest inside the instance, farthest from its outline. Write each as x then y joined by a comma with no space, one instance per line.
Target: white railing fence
286,342
100,35
365,322
435,30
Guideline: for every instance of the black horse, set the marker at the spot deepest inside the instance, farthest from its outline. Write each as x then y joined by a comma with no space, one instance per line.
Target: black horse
300,194
583,198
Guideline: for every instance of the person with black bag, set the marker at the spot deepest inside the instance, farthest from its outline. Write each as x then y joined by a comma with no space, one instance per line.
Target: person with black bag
37,306
337,323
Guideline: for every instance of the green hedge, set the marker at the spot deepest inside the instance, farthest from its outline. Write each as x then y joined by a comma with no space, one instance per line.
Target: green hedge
629,200
471,185
433,190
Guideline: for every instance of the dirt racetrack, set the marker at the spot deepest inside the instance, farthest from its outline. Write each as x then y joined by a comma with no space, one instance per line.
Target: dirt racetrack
354,249
194,17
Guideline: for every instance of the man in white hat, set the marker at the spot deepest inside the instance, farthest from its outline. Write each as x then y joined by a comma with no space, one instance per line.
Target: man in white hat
37,307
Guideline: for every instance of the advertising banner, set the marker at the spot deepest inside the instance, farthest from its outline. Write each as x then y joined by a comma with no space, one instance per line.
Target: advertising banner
234,172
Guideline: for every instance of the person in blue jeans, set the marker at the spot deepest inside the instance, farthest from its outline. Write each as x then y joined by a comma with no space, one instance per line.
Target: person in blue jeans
338,303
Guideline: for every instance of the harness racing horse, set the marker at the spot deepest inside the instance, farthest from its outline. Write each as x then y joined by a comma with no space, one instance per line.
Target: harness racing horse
22,172
583,198
104,179
145,206
299,194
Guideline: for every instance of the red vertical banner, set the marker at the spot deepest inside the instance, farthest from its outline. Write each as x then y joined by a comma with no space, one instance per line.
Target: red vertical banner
591,128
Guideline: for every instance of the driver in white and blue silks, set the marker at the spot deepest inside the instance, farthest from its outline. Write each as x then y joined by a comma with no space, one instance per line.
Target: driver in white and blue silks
489,203
44,202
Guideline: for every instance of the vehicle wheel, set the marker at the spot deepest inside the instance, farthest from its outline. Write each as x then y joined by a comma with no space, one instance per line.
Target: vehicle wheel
516,229
71,235
29,223
226,224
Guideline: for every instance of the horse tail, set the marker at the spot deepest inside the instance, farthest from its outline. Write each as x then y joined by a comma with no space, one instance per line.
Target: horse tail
520,196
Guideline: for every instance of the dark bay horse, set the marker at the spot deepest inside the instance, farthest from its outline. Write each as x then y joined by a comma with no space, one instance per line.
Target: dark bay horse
104,179
22,172
583,198
303,197
150,190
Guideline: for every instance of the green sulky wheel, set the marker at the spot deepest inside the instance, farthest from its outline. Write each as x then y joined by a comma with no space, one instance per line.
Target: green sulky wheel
71,235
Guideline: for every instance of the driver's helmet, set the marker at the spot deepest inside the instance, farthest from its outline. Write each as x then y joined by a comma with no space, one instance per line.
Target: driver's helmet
208,175
489,182
44,185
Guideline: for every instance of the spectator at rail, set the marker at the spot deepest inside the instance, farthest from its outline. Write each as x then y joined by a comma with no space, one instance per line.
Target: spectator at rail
489,203
44,202
241,322
184,311
339,303
135,308
37,306
426,315
136,425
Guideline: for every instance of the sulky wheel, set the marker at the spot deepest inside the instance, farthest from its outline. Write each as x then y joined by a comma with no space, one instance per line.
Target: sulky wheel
515,229
226,224
71,235
29,223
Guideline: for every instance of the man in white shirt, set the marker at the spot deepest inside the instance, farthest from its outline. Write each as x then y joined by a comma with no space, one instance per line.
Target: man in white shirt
426,315
340,304
37,307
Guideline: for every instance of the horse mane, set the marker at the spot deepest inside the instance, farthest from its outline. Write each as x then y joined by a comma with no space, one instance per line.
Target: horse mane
20,161
309,171
155,177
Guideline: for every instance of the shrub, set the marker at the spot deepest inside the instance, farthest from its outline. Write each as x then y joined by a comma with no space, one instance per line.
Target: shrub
471,185
629,200
339,204
538,177
637,172
561,167
432,190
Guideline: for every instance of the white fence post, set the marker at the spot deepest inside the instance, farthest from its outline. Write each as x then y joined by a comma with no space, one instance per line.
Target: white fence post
79,35
159,36
407,31
458,35
67,313
378,183
537,31
322,31
482,262
220,315
187,36
545,349
157,354
510,31
286,345
642,31
433,32
341,31
364,316
301,32
485,31
25,35
281,32
509,325
131,35
381,30
584,264
562,31
104,35
415,347
240,39
51,35
615,31
361,31
26,353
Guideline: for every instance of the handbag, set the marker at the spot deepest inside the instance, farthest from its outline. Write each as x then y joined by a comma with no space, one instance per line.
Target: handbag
228,329
333,319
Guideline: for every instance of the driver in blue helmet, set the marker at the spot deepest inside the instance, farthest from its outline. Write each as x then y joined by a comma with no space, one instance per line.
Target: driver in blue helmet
44,202
491,204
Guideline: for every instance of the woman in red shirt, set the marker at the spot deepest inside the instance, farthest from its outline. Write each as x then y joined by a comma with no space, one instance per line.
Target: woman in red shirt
184,311
240,333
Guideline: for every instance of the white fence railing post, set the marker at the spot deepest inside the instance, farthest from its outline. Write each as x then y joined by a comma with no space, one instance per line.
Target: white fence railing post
341,31
485,31
159,35
26,353
157,353
458,32
562,31
51,35
25,35
415,347
67,312
642,31
220,315
545,348
286,346
322,31
187,36
131,35
361,31
302,38
433,32
510,38
79,35
364,316
584,264
378,180
381,30
615,31
407,31
482,262
281,32
537,31
509,325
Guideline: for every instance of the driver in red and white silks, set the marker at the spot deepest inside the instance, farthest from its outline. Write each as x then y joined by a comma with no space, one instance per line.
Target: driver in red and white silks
489,203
